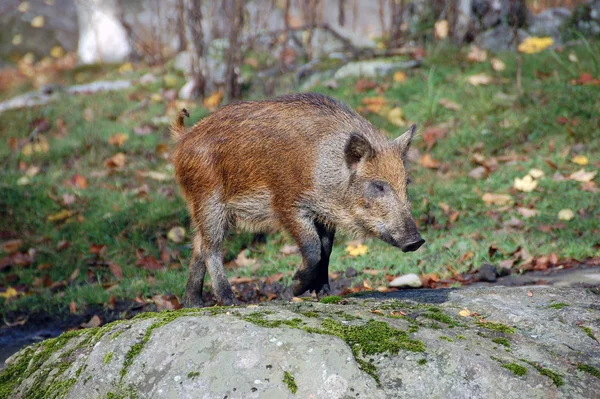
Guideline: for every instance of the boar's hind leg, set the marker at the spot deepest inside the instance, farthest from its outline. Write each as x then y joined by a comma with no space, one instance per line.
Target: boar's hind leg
314,242
195,282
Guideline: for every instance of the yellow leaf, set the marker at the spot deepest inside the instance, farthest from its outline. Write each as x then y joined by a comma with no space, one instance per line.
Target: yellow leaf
23,7
526,184
118,139
534,44
566,214
38,22
395,117
62,215
127,67
156,98
536,173
476,54
116,161
465,312
479,79
580,160
582,176
57,52
356,250
449,104
427,161
496,199
441,29
497,64
176,234
170,80
374,104
17,39
400,76
9,293
212,102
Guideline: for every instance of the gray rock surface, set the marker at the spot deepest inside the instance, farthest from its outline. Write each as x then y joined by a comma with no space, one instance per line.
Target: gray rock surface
411,343
549,22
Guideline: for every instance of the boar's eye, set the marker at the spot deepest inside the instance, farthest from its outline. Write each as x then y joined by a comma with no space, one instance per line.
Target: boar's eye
408,181
377,188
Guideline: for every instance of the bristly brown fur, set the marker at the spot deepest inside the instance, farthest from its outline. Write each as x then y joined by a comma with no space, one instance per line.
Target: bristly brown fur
305,163
178,126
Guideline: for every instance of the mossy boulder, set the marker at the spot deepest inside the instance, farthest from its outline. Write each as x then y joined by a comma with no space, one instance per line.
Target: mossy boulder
478,343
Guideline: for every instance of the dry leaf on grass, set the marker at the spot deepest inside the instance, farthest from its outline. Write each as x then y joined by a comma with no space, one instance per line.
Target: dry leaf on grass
441,29
118,139
528,213
449,104
176,234
476,54
479,79
566,214
116,161
497,199
497,64
582,176
581,160
526,184
427,161
356,250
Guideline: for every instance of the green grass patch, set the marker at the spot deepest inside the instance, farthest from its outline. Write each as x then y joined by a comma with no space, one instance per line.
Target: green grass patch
589,369
290,382
556,378
501,341
558,305
516,369
332,299
498,327
588,331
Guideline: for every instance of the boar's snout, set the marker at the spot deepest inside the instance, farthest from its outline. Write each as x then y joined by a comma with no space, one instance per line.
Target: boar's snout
414,244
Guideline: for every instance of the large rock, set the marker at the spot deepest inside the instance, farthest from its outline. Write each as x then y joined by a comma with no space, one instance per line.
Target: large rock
549,22
500,38
475,343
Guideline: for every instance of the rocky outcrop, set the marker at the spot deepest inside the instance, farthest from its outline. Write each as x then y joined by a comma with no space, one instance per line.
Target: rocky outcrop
478,343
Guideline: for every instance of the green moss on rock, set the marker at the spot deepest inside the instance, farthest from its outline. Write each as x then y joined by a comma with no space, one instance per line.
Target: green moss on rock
588,331
589,369
516,369
290,382
501,341
499,327
556,378
422,362
558,306
108,357
193,374
333,299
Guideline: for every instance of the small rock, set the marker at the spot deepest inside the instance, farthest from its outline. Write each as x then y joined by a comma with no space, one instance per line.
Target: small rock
408,280
147,79
487,273
478,173
187,91
330,84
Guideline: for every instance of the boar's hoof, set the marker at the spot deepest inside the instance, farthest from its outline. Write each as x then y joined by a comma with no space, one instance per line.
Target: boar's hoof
300,286
193,302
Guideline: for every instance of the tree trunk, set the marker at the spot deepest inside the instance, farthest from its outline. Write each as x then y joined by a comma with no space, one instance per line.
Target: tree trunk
102,37
463,19
235,14
195,35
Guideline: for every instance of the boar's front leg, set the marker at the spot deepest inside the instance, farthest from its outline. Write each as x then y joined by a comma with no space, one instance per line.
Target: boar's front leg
315,242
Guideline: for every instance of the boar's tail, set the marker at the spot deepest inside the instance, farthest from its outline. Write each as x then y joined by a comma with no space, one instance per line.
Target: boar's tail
178,127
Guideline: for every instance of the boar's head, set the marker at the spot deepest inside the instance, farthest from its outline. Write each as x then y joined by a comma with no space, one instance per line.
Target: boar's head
378,199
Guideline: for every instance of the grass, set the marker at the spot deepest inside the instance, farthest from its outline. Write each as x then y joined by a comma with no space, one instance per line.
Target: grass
109,212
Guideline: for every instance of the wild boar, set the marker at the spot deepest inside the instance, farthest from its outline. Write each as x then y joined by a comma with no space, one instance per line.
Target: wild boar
305,163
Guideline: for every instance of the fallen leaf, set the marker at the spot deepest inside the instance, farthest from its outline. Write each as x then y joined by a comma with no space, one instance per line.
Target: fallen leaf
68,199
38,22
9,293
62,215
497,65
534,44
212,102
274,278
427,161
241,280
95,321
529,293
566,214
374,104
62,245
395,117
166,302
357,250
118,139
581,160
536,173
289,249
126,67
158,176
497,199
144,130
23,6
449,104
11,246
465,312
57,52
116,161
476,54
79,181
148,263
528,213
176,234
479,79
441,29
526,184
363,85
478,173
72,307
590,186
115,270
432,134
573,57
399,77
583,176
243,261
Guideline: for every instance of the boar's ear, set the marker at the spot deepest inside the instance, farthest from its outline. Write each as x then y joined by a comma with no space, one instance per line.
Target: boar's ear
357,149
403,142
